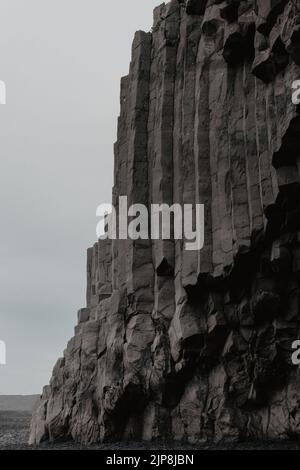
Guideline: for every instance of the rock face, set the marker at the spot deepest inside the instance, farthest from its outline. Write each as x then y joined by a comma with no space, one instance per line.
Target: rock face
196,346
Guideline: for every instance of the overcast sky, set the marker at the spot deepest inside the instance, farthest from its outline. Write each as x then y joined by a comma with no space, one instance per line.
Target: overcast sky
62,61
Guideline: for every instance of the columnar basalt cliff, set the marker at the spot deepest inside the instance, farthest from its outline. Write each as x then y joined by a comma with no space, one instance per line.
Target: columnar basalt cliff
196,346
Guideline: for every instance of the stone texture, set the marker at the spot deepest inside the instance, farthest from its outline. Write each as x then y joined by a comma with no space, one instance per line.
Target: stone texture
186,345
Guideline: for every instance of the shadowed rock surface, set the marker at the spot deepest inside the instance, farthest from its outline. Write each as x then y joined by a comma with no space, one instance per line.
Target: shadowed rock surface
14,434
196,346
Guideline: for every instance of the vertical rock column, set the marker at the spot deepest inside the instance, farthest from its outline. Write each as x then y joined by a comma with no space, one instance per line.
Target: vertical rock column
139,267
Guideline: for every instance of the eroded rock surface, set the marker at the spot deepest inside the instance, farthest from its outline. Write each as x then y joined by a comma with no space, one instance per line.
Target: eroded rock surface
186,345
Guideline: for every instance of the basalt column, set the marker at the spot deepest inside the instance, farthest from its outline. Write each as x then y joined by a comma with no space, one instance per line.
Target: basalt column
196,345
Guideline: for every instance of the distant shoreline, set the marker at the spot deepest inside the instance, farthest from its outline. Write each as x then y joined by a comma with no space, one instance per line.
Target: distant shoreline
17,402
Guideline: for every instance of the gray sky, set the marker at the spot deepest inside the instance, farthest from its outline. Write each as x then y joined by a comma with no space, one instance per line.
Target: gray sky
61,61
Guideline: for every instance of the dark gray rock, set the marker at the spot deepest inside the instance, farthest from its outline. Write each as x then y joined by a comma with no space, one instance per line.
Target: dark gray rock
196,346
